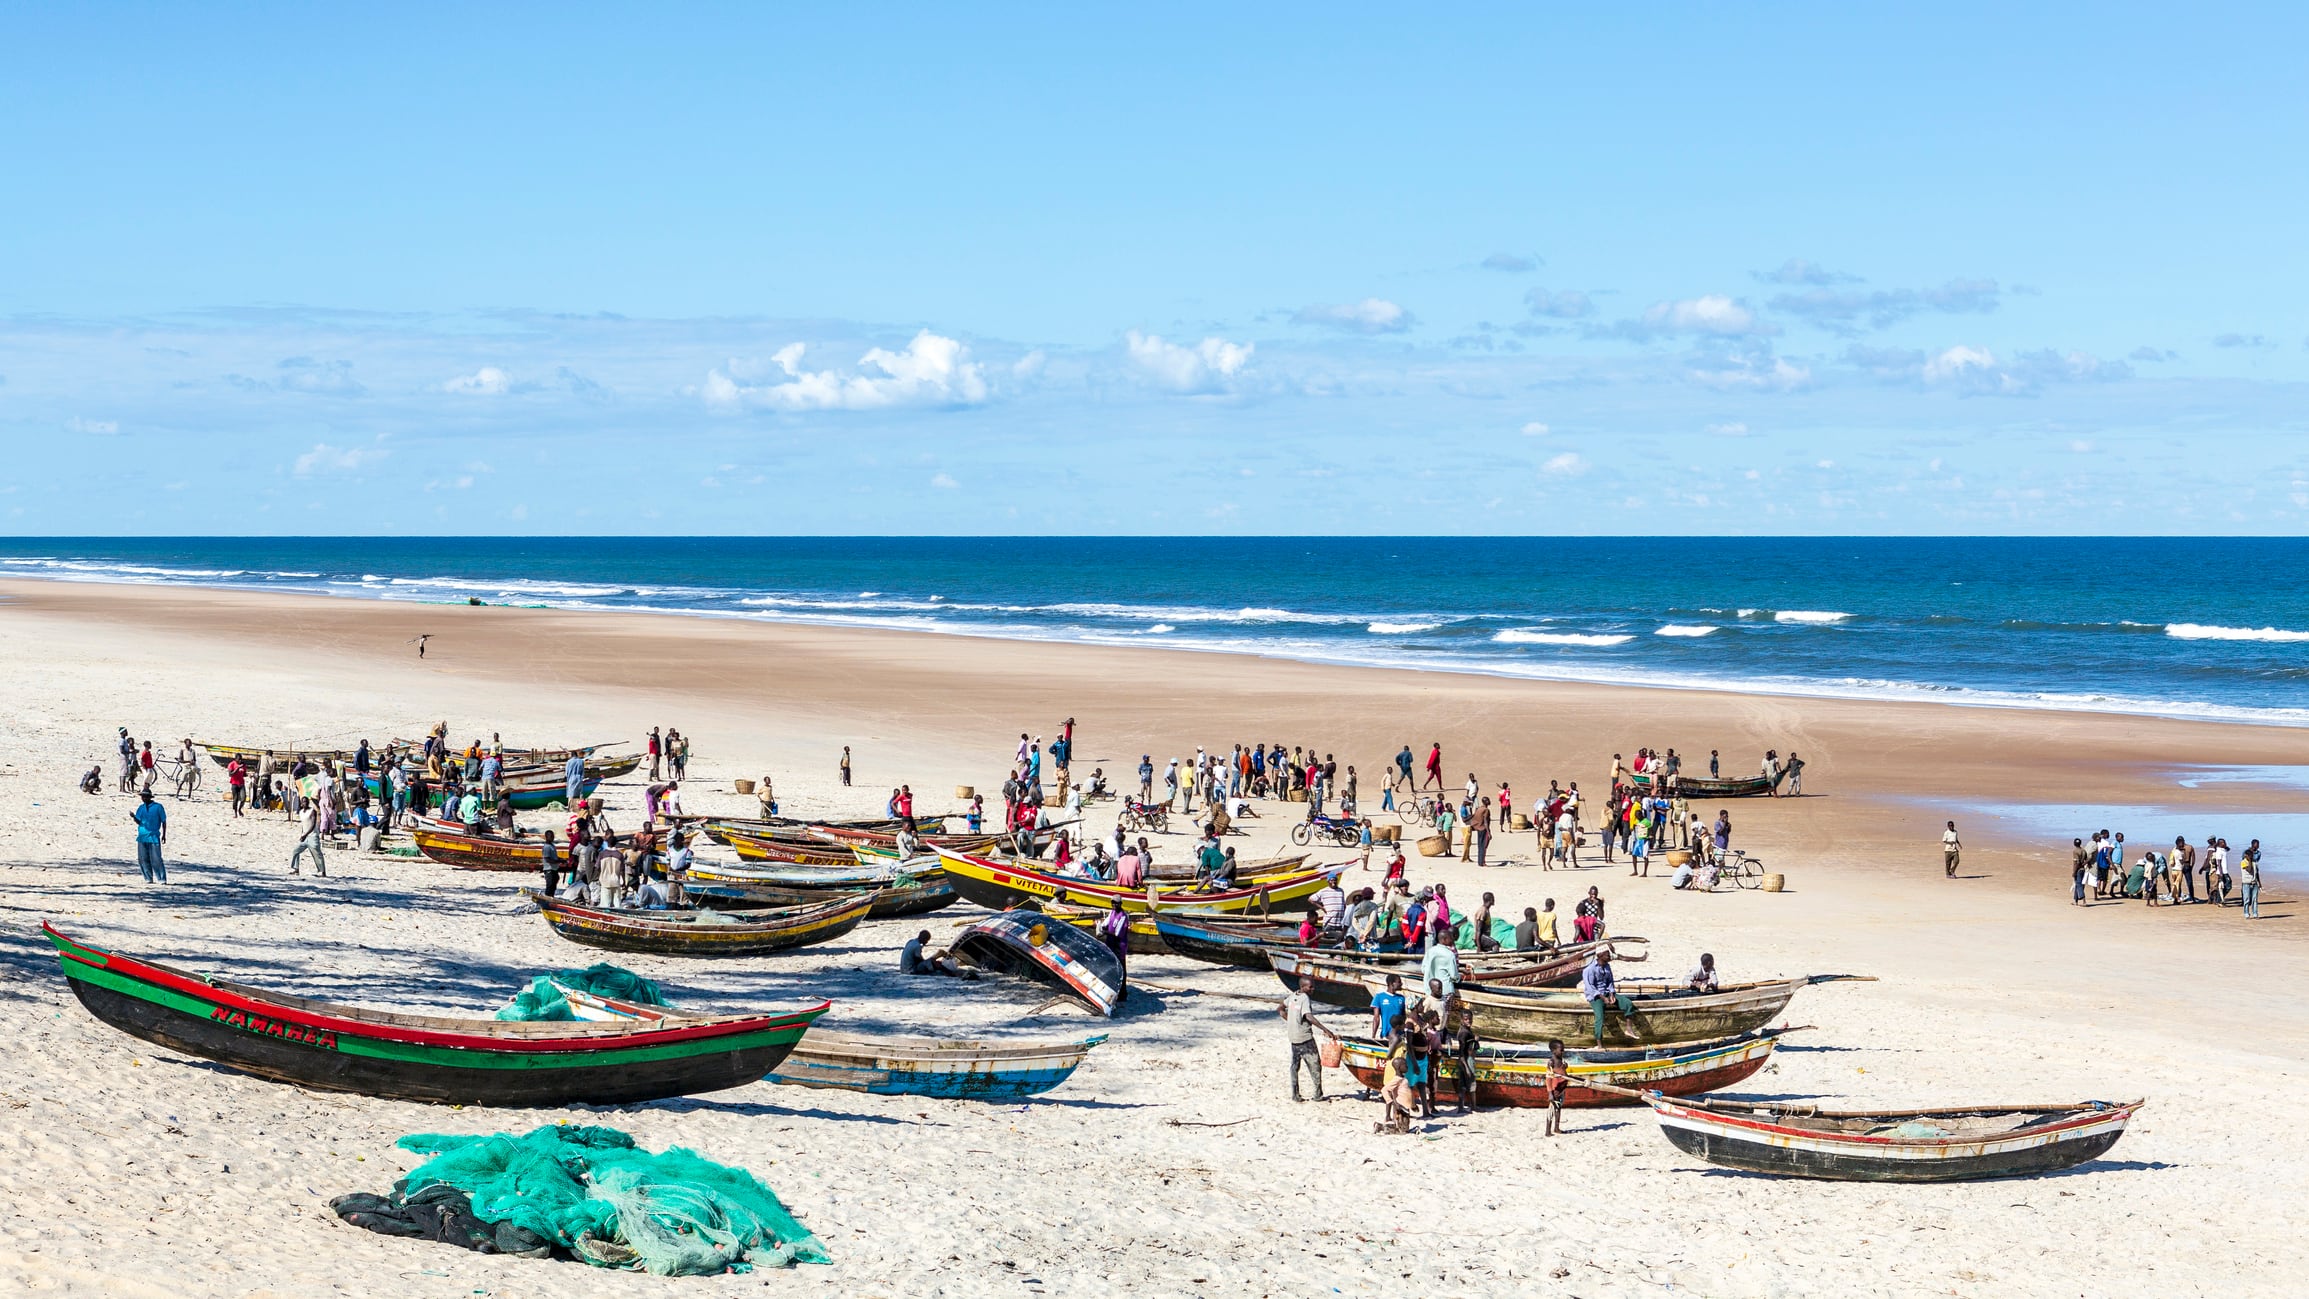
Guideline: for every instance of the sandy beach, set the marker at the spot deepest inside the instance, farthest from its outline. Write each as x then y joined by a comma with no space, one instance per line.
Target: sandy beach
131,1170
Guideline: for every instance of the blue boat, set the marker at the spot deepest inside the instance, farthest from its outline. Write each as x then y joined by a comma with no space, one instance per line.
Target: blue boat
929,1066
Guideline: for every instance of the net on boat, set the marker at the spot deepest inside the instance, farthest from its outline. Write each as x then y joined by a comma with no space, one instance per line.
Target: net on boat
592,1192
542,1000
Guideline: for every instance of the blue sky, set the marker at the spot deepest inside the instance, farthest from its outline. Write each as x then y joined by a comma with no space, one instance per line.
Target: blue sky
1709,269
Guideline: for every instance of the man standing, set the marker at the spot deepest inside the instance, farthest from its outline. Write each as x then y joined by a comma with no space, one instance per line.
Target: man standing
312,830
1439,965
151,832
1299,1027
127,762
1434,765
237,776
1950,849
1481,832
148,771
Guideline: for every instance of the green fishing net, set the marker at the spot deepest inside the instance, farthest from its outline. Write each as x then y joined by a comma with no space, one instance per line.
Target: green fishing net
541,1000
1501,932
593,1192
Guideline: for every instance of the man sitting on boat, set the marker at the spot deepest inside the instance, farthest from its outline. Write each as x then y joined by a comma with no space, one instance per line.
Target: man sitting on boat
1600,990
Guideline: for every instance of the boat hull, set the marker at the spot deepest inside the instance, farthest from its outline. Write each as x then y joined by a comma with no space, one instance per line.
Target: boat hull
314,1045
629,931
889,901
1517,1077
1756,1145
1065,957
946,1070
479,852
999,886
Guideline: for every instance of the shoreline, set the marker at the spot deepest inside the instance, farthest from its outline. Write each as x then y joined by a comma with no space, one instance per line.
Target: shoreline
579,596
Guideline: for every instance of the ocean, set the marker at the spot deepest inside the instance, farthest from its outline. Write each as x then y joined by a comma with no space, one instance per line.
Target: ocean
2184,627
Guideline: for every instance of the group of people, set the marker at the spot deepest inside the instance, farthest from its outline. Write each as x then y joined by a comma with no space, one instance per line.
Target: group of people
2160,877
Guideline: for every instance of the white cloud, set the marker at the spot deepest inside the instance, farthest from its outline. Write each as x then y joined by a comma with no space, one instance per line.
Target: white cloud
1568,465
1370,316
932,371
92,427
1959,364
2081,446
1030,365
1774,373
1209,366
1570,304
488,381
1711,313
1535,429
325,458
1731,430
943,481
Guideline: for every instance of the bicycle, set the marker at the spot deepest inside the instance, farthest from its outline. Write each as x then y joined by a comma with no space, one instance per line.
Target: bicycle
1742,870
182,774
1418,810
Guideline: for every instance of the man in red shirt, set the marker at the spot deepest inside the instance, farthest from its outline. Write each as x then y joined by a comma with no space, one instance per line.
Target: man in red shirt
1435,765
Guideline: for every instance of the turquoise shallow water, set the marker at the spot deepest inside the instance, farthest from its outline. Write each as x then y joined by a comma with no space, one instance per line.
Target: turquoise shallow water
2284,835
2201,627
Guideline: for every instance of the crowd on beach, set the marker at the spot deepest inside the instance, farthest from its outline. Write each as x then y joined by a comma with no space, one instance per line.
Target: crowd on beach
2162,877
1419,926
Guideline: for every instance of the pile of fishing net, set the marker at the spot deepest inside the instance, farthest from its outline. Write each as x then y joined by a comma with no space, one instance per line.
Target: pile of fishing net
543,999
586,1193
1502,933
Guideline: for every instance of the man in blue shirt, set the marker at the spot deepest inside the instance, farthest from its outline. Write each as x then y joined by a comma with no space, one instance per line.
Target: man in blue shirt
151,832
1387,1009
573,779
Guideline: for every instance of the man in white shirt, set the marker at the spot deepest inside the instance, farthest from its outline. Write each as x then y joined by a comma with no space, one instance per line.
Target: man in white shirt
1950,850
1331,904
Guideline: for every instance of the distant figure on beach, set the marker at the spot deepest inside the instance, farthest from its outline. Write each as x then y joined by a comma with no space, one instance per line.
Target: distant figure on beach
845,764
1951,848
151,832
421,644
1434,766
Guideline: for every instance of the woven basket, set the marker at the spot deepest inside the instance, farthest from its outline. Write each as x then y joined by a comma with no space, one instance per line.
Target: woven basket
745,786
1435,845
1521,822
1774,883
965,792
1334,1055
1386,834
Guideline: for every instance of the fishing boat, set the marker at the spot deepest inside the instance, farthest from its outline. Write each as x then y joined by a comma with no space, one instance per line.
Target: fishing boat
933,1066
1708,787
332,1047
912,897
704,932
1936,1145
847,877
1002,885
1508,1013
1349,980
853,836
1515,1075
1051,951
533,792
1186,869
815,853
223,754
479,852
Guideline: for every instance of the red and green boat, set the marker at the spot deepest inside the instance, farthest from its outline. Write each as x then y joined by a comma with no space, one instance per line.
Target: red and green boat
332,1047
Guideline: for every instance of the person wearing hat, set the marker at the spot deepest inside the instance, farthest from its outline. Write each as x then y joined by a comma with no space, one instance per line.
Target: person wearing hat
127,762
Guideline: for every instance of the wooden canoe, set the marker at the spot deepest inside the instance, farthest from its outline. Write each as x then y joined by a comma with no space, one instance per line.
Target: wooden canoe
1703,787
852,835
1515,1076
912,898
1040,947
1002,885
847,877
932,1066
1511,1013
1938,1145
1349,982
476,852
816,853
332,1047
704,933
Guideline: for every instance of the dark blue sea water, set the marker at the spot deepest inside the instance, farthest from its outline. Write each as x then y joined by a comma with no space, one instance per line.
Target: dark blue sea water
2186,627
